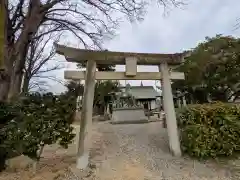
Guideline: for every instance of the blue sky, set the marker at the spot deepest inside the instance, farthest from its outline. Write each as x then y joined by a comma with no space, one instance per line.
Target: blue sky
182,29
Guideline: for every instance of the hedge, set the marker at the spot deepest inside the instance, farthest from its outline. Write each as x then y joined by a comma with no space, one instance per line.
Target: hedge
32,122
210,130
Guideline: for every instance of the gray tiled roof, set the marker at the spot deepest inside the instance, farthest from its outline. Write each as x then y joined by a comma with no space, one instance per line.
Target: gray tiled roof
143,92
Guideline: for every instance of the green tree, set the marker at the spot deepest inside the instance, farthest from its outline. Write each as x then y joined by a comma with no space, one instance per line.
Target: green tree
212,70
35,121
104,91
74,89
100,67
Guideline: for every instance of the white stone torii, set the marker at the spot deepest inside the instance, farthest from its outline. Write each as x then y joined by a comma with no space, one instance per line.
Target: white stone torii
163,61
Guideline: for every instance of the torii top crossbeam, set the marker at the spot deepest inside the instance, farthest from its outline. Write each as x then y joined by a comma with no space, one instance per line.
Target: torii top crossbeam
113,57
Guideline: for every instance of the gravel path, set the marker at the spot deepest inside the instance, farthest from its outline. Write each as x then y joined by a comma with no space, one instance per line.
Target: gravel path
139,152
121,152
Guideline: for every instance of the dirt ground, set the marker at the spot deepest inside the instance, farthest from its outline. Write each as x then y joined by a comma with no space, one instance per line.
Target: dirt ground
129,152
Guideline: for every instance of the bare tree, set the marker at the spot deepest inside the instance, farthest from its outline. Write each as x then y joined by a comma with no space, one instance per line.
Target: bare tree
90,21
37,63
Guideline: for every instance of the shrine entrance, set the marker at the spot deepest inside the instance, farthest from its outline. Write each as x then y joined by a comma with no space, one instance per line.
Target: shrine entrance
165,62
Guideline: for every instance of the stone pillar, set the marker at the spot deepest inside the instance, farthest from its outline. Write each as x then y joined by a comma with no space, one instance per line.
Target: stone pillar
179,103
78,103
108,109
184,101
169,110
86,117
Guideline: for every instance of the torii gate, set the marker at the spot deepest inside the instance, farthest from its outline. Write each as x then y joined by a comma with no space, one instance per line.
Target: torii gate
131,60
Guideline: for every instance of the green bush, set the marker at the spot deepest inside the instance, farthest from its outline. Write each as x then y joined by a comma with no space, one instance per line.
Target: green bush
7,113
35,121
210,130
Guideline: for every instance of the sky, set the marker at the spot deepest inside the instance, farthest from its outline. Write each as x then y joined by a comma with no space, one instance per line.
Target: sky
181,29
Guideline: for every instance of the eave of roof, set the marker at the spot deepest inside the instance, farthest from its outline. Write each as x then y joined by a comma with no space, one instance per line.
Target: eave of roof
144,92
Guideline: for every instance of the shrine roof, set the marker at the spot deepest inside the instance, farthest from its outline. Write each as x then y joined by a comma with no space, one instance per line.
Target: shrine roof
113,57
143,92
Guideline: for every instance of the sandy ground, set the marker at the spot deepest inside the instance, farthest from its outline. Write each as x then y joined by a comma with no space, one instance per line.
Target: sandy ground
120,152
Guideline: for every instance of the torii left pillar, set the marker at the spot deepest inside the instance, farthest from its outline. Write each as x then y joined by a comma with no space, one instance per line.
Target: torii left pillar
85,143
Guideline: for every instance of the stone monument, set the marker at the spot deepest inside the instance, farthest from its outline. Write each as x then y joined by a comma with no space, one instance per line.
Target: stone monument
125,109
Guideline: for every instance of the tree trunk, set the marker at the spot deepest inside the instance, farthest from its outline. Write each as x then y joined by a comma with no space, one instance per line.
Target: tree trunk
2,33
15,85
26,81
31,25
4,85
4,63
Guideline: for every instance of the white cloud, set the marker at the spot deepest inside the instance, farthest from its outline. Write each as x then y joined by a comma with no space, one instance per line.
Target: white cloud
182,29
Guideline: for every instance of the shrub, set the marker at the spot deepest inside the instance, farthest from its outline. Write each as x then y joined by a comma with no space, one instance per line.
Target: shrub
210,130
6,114
35,121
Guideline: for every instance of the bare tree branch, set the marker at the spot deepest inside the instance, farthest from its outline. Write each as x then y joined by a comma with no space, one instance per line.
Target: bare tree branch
18,13
38,58
38,85
54,68
91,21
53,78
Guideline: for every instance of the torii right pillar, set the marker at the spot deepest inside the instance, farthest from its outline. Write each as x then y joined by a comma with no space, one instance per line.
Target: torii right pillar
168,106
